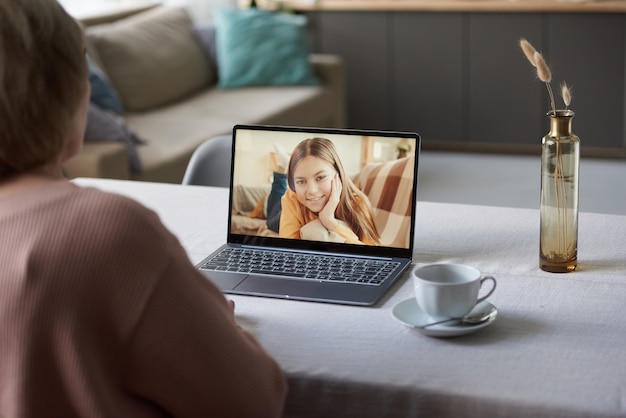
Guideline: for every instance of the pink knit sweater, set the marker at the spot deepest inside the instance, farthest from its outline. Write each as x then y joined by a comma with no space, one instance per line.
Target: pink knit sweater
103,315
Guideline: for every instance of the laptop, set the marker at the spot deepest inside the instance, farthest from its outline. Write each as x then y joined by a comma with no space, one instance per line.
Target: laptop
285,240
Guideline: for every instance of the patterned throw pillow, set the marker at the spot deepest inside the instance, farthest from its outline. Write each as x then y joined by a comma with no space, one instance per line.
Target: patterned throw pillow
389,187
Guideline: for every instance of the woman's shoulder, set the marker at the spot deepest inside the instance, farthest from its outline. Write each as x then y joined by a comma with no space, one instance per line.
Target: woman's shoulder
96,209
102,203
111,226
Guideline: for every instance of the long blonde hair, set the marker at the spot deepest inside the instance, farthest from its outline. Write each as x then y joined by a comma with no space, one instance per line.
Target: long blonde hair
354,207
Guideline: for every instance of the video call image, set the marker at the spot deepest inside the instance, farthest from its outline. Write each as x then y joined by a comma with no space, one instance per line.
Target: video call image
323,187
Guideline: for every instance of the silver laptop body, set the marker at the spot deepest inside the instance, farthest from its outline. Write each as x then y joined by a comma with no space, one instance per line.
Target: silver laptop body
257,261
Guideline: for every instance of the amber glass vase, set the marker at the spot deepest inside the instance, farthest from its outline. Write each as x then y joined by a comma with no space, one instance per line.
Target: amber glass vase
560,157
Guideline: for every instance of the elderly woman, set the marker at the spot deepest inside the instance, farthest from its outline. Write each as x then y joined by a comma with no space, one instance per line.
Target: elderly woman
101,311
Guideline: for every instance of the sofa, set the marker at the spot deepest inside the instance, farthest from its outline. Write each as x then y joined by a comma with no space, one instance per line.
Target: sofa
164,70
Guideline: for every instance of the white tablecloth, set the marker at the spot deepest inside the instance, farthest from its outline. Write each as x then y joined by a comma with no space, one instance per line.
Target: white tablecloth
557,348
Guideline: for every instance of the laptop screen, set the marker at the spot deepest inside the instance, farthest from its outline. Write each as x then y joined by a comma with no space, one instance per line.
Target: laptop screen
344,191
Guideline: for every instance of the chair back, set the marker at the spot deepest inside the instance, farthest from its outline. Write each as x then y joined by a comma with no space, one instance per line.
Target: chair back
210,163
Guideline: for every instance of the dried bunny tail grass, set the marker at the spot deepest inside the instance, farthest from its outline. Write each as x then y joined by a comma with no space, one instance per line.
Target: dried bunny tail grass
545,75
528,50
566,93
543,71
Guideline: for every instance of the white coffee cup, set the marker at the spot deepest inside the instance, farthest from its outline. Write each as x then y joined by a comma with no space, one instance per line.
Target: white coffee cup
445,291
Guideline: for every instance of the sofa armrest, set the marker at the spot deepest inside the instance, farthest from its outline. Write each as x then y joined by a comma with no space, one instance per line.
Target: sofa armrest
331,71
100,160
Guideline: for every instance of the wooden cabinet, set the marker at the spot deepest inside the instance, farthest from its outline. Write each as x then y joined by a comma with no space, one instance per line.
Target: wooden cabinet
505,100
361,38
588,52
427,85
460,80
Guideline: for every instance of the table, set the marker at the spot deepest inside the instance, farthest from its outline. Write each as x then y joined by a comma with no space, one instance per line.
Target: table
557,349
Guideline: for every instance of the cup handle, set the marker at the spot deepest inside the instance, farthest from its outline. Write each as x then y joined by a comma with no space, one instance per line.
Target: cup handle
493,280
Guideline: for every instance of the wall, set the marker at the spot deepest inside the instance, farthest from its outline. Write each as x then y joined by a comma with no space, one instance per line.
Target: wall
460,80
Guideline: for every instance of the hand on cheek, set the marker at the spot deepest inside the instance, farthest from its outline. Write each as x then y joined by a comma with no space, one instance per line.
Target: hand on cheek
327,215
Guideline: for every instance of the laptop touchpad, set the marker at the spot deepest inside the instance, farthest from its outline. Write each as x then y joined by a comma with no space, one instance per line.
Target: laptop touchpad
277,287
225,281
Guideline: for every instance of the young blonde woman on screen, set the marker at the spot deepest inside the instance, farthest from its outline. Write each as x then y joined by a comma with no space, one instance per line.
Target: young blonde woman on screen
101,312
322,203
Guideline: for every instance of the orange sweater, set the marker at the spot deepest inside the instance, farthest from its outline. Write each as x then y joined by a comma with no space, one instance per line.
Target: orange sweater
103,315
292,219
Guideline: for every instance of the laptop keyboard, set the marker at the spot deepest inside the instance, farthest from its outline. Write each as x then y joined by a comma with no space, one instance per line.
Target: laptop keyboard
302,266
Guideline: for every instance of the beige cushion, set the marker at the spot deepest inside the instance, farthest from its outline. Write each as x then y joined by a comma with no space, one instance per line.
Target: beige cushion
174,131
152,58
246,198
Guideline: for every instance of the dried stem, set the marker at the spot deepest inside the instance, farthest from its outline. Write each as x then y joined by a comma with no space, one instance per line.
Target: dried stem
545,75
561,200
551,97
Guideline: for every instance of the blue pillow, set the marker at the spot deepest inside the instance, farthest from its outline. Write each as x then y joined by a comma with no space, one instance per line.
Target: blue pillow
259,48
105,125
102,92
205,32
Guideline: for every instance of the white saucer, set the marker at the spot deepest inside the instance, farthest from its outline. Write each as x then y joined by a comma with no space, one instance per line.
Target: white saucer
410,314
